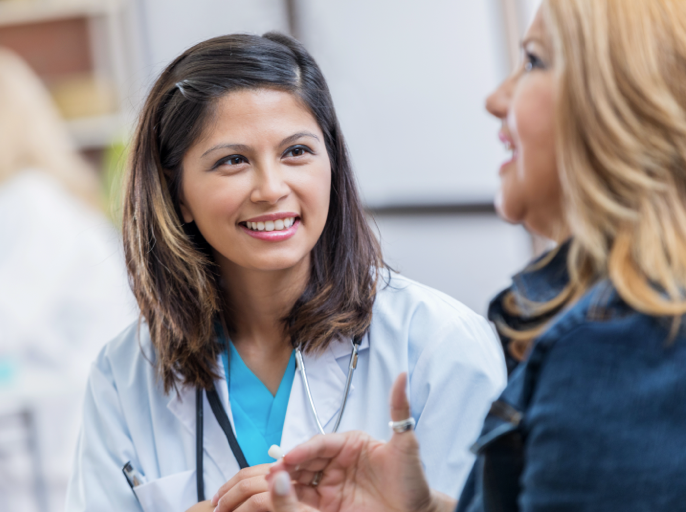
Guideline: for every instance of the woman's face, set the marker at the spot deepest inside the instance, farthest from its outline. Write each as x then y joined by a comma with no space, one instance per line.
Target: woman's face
257,182
530,191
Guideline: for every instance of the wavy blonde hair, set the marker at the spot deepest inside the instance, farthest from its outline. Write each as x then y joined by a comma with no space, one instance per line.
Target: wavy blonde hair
32,134
620,75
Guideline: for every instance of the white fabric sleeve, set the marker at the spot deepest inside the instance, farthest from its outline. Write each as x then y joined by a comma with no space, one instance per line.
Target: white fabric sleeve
453,384
97,482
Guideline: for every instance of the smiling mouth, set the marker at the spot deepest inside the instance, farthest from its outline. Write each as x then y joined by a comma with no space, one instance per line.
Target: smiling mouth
271,225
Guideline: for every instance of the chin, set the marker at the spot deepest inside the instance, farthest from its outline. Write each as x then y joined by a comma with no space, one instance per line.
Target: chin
505,210
275,264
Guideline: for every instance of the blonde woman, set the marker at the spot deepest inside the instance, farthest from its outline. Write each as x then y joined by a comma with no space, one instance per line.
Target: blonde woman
594,418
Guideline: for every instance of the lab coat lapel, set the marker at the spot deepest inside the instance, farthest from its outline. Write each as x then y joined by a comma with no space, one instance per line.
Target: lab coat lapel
215,445
327,384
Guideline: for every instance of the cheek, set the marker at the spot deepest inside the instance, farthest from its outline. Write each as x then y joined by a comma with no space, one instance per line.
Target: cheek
537,180
212,199
315,191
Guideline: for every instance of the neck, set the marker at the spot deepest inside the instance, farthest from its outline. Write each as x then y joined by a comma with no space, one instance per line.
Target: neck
258,301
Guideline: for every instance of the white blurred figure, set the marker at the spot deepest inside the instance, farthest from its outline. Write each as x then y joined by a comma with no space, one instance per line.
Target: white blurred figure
63,287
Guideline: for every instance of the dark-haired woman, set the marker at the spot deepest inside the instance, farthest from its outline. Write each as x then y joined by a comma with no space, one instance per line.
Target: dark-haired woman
247,247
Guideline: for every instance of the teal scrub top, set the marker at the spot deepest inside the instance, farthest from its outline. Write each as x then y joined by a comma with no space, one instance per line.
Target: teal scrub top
258,417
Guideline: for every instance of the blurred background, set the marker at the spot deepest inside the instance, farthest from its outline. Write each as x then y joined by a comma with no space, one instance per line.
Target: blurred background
409,80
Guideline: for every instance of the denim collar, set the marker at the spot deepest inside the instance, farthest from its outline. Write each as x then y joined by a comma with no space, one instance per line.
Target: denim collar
541,282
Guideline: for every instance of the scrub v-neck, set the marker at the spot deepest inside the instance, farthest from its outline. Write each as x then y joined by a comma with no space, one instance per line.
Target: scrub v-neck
258,417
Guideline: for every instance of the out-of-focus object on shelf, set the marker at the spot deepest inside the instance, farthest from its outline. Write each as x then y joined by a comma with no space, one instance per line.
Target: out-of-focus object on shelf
85,51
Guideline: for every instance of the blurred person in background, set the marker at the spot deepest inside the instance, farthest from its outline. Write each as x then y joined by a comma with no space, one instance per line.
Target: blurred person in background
246,242
593,418
63,286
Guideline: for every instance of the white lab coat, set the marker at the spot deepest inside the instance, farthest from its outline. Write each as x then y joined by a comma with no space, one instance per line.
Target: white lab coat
455,367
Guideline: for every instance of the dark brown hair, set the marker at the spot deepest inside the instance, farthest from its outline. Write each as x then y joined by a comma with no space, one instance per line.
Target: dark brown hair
172,273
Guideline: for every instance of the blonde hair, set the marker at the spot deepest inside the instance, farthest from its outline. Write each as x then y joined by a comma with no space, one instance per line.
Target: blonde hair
32,135
620,79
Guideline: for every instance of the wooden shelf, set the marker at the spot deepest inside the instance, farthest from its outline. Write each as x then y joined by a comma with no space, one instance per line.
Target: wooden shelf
18,12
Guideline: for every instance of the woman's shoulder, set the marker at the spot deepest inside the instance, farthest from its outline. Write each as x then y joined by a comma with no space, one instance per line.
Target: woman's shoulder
398,293
602,316
601,345
129,357
432,322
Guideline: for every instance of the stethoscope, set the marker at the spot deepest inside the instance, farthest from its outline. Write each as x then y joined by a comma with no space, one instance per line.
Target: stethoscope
225,423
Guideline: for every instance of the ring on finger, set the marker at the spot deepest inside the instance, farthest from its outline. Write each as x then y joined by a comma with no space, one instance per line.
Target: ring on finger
317,477
402,425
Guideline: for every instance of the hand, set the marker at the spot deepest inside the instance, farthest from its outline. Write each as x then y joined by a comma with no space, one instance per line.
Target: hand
360,474
247,491
203,506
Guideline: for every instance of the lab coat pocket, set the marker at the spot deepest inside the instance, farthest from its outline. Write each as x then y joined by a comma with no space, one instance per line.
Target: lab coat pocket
173,493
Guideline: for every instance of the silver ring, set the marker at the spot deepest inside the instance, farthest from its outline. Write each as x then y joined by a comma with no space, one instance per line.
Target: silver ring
402,425
316,479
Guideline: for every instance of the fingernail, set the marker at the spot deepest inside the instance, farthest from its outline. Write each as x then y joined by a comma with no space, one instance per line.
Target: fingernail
215,499
282,484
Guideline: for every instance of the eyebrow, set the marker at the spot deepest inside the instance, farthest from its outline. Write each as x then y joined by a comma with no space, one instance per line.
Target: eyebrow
243,147
531,40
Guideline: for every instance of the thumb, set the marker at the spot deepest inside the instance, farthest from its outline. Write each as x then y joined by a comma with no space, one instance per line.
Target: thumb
400,405
400,410
282,493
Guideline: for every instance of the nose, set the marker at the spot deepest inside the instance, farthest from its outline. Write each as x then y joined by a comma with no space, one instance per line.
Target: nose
270,186
498,103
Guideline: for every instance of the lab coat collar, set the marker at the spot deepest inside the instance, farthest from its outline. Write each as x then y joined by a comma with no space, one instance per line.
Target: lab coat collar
327,384
215,445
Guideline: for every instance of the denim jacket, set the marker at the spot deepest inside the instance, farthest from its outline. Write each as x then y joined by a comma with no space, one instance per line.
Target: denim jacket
594,419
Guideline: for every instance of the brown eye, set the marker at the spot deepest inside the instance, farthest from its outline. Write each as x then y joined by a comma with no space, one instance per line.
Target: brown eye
296,151
233,160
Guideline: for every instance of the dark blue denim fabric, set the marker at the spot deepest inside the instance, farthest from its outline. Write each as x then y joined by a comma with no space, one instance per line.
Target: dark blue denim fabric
594,420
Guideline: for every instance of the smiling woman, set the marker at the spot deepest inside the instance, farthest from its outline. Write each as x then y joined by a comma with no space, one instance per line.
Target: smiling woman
248,250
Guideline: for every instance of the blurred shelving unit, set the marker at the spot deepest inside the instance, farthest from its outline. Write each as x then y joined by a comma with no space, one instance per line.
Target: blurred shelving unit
86,52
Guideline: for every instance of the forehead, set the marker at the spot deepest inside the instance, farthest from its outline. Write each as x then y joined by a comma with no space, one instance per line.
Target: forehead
537,30
265,111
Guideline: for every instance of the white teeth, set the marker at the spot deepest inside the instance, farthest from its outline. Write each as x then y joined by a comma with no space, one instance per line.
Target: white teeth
275,225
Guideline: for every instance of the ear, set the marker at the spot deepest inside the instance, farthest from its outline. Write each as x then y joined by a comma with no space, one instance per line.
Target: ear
185,211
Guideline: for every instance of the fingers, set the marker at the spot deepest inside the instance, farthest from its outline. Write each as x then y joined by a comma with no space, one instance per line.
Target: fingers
319,447
302,476
405,442
243,474
400,405
247,495
283,496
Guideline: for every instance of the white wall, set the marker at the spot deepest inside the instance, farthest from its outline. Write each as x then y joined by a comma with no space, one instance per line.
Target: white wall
470,258
409,80
172,26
